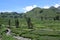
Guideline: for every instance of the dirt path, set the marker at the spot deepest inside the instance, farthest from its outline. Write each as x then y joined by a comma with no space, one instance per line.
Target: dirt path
17,37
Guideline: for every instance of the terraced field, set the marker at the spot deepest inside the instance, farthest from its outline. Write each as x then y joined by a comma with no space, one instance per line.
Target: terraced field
42,30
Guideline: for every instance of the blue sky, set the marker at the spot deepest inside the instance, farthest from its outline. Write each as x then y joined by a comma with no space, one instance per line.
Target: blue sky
26,5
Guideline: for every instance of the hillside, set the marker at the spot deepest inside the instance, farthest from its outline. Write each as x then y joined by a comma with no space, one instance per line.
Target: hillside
34,13
28,25
50,13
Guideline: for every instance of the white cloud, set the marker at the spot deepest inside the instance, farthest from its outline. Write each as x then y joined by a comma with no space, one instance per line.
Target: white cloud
56,5
28,8
46,7
6,11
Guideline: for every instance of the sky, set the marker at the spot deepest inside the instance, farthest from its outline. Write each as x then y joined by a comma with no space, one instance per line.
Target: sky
26,5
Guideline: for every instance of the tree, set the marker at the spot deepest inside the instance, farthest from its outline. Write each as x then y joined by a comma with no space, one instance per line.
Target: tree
30,26
56,18
0,26
41,11
15,17
1,13
41,18
17,23
9,22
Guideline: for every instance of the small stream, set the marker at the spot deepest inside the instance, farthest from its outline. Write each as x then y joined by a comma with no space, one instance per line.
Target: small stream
17,37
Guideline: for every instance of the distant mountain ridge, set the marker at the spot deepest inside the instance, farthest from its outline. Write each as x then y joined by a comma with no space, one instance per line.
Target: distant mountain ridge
34,13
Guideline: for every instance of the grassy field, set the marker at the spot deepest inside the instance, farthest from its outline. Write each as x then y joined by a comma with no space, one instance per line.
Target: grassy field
42,29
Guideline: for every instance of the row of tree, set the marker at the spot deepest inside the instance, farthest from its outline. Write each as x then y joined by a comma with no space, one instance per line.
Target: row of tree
51,18
28,20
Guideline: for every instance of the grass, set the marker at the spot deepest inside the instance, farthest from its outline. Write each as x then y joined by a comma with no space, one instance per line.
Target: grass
5,37
43,30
